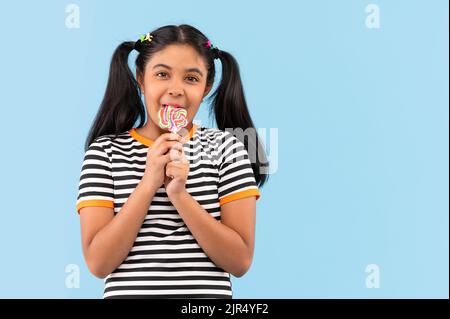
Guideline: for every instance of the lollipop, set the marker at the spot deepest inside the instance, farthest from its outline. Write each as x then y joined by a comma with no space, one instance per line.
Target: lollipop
172,118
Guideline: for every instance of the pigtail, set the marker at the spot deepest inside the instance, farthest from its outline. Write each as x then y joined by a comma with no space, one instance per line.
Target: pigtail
230,111
121,106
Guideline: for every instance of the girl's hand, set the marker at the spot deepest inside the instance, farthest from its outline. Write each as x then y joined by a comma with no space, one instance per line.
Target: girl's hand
177,171
158,156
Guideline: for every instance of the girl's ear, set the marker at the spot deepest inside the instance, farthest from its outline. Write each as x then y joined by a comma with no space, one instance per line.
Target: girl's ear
207,89
140,81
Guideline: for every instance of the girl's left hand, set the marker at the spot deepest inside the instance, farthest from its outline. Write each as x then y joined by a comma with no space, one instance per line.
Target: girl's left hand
178,168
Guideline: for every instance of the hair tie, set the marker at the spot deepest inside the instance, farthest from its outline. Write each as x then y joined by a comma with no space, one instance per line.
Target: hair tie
146,37
212,47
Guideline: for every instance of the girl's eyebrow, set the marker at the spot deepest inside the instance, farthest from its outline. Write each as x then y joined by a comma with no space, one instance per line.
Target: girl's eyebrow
187,70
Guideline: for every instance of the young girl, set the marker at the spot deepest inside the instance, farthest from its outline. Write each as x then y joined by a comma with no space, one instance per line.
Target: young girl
167,215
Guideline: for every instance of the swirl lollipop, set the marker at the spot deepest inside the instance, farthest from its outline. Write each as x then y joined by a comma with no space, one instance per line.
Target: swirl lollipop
172,118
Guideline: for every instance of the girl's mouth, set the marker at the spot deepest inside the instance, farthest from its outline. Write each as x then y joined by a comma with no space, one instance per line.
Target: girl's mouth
174,105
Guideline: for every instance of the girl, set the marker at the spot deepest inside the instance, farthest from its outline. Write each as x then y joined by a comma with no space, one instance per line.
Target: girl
167,215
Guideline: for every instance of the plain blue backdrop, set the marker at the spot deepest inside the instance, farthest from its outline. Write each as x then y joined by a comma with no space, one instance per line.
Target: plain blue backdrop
362,150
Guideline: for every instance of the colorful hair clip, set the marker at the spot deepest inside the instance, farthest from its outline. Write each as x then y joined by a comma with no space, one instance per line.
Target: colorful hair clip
213,48
147,37
209,45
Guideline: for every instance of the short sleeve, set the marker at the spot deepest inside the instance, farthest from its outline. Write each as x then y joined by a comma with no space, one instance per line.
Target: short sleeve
96,187
236,177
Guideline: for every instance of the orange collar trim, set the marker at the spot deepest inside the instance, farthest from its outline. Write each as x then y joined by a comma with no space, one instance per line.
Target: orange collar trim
146,141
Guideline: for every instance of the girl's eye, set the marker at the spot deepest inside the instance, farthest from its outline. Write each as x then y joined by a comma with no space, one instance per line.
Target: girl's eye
192,78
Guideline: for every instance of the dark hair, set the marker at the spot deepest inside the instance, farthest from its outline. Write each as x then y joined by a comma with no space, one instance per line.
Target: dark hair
122,105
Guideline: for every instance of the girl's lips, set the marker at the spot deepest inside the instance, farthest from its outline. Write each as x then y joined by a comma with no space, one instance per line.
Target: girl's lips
174,105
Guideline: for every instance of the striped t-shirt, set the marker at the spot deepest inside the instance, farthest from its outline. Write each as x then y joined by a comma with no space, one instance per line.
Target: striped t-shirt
166,261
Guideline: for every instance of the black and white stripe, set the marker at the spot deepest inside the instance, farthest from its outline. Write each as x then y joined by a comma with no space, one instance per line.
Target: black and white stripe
166,260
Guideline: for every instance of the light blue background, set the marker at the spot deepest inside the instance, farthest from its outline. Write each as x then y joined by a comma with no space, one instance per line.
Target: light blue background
362,165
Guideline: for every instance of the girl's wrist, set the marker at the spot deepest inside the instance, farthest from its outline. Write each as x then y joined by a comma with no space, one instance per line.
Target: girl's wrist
178,196
149,186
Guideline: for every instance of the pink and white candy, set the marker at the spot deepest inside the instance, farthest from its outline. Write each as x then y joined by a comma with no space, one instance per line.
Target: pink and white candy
172,118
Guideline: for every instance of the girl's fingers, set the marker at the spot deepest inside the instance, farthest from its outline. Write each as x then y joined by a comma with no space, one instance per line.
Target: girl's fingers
167,137
175,165
171,137
184,158
174,155
168,146
177,155
172,169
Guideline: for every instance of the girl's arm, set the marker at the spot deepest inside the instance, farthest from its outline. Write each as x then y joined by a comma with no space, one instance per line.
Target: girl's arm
107,239
229,243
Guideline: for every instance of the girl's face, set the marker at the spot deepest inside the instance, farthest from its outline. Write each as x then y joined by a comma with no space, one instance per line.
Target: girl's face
174,75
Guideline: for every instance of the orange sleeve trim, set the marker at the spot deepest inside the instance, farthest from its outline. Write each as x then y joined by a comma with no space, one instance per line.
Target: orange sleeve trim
102,203
239,195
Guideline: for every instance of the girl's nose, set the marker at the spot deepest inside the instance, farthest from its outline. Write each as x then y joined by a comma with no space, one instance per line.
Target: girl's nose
175,87
175,92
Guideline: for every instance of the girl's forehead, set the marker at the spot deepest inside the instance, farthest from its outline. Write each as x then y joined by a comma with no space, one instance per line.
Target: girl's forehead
177,56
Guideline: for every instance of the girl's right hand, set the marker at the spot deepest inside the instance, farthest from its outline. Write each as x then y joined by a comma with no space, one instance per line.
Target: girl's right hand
158,155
